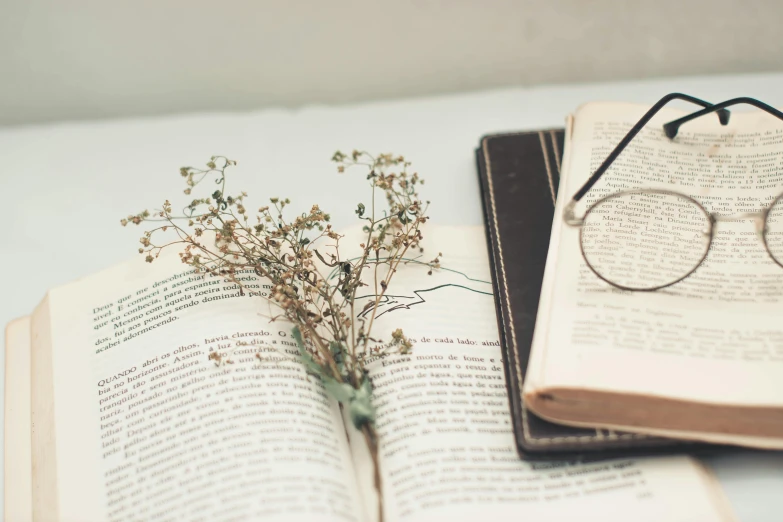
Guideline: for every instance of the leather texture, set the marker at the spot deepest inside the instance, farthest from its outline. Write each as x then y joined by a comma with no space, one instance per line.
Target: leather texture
519,176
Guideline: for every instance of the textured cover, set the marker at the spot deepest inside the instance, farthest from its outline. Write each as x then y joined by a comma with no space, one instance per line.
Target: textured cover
519,176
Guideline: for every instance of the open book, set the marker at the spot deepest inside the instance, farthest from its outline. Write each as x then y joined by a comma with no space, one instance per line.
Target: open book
701,359
131,421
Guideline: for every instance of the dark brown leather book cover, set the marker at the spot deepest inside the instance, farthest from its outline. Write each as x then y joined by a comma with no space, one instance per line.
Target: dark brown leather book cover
519,176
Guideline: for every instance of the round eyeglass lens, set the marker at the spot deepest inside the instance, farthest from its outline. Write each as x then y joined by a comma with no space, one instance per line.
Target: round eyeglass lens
645,240
773,231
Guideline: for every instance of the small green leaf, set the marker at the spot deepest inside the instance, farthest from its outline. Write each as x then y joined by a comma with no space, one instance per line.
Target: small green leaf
366,387
298,338
338,353
361,408
341,391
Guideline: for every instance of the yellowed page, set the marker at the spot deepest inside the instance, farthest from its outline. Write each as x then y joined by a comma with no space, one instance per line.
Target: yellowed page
769,443
447,446
147,427
18,499
736,317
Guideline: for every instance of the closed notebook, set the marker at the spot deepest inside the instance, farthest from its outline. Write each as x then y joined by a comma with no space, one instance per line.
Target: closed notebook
519,176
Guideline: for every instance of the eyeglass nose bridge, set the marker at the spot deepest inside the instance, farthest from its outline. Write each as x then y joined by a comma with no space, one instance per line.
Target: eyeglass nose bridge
759,218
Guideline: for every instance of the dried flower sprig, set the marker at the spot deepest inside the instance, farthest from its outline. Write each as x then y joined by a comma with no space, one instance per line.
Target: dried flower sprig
313,283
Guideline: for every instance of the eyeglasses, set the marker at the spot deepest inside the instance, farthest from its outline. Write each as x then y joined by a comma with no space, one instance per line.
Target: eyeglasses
648,239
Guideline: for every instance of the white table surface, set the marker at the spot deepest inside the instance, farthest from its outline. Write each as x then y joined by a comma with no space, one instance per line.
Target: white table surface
66,186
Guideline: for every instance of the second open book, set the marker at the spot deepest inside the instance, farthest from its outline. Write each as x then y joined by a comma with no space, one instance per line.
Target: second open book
699,360
131,421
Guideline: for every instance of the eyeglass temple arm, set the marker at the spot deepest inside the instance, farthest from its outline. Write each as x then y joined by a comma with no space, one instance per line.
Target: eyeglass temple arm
723,116
671,128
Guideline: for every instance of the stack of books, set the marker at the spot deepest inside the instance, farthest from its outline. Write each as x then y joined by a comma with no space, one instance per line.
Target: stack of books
598,369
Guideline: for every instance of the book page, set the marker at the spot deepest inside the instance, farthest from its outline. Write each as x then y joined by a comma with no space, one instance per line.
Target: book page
447,446
146,427
717,327
18,496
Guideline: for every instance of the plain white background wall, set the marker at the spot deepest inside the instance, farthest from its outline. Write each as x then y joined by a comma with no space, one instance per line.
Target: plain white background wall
76,59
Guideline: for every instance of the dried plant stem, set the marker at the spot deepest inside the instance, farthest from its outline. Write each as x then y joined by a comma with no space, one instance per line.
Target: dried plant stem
371,438
396,259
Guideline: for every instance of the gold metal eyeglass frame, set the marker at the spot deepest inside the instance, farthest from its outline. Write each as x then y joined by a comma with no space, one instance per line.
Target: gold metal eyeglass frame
671,129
